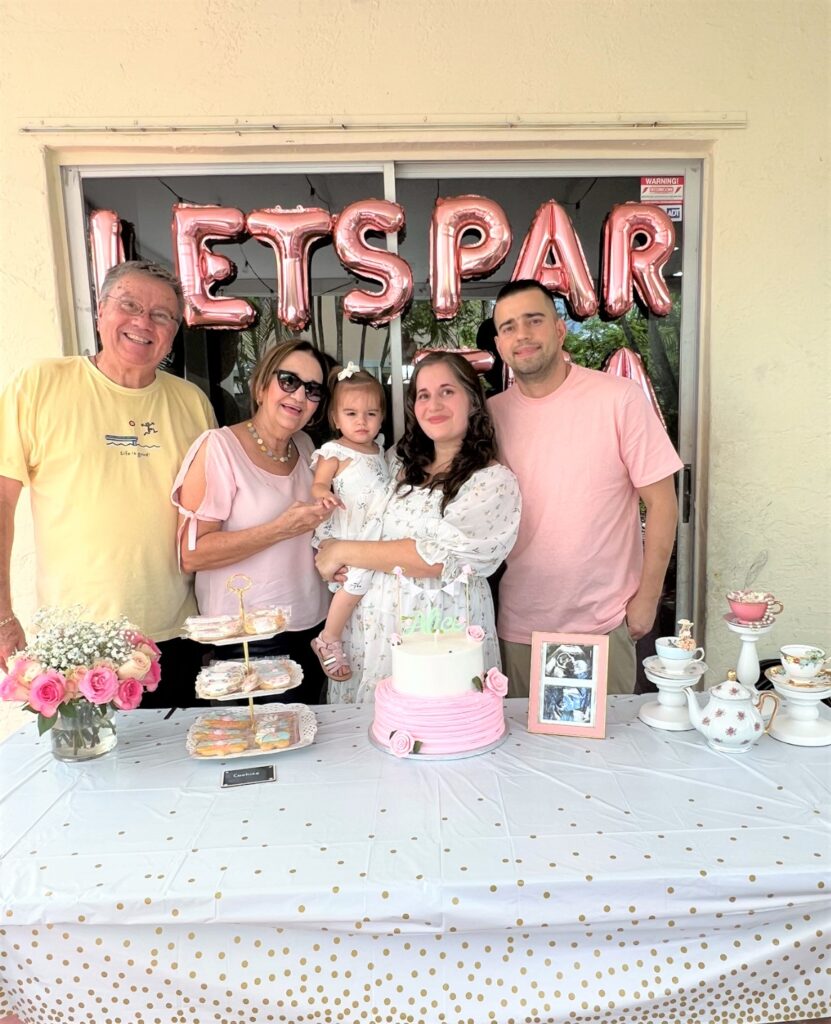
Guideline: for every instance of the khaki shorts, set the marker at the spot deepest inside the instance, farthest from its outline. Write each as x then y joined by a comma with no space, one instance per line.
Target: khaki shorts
516,663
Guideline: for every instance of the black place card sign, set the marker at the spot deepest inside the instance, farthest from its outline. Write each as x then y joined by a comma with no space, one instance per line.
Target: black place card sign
248,776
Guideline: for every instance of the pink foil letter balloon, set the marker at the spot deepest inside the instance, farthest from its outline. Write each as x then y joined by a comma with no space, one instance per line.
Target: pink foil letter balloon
291,234
552,234
392,272
199,269
624,264
105,244
450,261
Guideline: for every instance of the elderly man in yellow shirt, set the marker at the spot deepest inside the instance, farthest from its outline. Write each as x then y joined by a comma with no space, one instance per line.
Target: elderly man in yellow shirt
98,441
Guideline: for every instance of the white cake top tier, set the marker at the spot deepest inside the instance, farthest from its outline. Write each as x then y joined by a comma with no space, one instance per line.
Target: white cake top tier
439,665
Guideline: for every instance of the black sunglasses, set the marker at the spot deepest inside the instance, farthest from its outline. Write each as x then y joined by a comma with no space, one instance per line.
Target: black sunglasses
290,382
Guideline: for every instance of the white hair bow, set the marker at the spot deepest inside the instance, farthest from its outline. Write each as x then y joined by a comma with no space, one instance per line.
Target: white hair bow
348,370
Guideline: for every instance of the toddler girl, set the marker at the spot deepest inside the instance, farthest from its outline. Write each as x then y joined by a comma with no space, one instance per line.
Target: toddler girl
351,475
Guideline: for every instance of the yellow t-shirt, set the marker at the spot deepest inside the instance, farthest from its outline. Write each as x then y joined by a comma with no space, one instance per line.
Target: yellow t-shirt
100,460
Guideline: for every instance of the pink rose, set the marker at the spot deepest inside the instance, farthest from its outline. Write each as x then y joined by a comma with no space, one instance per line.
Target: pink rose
99,685
401,743
496,682
145,645
15,687
151,680
129,695
48,691
475,633
26,669
395,640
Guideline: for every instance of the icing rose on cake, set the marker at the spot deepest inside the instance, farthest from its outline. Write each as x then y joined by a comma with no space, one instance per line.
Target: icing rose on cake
496,682
475,633
395,640
401,743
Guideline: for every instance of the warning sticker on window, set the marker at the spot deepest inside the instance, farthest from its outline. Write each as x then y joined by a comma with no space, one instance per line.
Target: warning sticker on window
666,191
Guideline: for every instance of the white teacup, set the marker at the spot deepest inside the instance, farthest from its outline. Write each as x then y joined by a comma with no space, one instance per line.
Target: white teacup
675,659
801,661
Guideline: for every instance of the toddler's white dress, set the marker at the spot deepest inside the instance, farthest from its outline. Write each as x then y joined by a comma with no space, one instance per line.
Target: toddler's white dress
363,488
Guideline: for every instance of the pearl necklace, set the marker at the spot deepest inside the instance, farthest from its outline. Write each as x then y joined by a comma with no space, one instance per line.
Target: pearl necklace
252,430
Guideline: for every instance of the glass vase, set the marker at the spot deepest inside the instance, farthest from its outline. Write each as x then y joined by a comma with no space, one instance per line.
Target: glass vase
83,731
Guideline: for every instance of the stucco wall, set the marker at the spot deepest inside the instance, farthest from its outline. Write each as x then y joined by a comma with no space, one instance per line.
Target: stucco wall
765,326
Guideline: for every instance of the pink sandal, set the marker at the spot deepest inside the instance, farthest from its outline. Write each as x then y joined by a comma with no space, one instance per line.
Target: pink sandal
332,659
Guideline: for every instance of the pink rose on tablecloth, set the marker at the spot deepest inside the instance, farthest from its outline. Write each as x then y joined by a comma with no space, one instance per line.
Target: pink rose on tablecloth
475,633
129,694
496,682
135,667
401,743
151,680
48,691
99,685
395,640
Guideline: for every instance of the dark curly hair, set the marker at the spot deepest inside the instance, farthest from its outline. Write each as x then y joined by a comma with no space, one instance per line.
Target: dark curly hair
415,449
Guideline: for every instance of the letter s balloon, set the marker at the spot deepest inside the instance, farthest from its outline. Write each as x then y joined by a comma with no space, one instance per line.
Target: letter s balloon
389,269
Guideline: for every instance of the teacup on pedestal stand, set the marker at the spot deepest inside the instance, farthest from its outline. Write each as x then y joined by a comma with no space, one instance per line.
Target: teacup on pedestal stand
670,710
804,721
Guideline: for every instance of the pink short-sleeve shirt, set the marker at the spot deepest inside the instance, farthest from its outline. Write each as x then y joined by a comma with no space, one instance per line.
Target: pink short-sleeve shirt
580,454
240,495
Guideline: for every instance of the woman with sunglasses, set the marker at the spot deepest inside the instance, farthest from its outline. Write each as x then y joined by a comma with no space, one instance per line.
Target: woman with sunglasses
244,495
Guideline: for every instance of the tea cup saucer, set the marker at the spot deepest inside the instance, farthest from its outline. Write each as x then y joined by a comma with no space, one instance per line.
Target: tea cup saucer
766,620
691,672
818,686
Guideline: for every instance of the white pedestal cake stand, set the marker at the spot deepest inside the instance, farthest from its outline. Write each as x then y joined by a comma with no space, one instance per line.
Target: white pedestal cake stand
747,667
804,721
669,711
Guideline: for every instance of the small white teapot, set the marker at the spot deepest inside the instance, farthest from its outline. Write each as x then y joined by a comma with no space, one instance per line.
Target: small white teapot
732,719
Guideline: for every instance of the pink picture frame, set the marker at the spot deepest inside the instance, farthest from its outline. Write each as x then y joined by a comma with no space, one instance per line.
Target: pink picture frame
569,674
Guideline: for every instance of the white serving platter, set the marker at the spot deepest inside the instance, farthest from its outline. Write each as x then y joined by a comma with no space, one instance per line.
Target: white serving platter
307,727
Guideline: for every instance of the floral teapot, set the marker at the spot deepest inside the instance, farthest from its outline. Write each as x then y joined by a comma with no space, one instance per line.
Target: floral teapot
732,718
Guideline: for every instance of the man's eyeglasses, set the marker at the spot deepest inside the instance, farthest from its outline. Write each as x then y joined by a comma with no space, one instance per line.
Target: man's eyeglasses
160,317
290,382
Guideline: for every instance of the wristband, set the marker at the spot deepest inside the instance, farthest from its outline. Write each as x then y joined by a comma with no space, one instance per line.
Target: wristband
5,622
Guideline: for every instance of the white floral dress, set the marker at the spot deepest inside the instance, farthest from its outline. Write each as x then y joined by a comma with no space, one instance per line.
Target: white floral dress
363,489
478,529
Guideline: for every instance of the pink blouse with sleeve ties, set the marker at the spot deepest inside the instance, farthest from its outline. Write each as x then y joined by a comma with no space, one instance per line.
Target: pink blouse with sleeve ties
240,495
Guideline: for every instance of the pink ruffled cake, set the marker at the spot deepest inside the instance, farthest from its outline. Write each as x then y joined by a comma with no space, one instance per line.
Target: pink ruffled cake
439,701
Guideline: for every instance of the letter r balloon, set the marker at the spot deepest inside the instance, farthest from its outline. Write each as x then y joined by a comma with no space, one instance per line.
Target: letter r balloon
625,264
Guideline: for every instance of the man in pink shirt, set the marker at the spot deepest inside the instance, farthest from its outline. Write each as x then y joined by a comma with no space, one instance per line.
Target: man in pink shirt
585,447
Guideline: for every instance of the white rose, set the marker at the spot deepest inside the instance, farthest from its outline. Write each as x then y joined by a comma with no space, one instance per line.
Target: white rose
135,667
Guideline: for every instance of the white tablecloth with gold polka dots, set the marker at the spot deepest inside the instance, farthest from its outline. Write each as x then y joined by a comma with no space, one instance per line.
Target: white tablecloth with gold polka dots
640,878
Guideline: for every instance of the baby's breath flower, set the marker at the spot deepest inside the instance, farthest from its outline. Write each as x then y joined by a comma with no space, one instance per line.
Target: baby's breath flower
63,639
